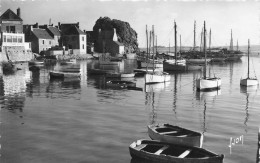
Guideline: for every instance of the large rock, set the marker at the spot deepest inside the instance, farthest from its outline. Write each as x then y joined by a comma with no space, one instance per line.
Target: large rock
125,33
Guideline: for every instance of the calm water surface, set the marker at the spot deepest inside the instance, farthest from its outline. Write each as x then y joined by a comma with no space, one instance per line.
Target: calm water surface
84,121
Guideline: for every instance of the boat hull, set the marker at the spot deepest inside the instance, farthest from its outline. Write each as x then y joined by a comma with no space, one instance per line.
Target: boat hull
56,74
151,65
175,135
167,66
156,151
208,84
197,61
248,82
156,78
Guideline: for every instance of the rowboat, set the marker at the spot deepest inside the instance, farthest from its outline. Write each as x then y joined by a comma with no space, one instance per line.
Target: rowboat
175,134
99,71
58,74
36,63
120,84
156,151
120,75
157,77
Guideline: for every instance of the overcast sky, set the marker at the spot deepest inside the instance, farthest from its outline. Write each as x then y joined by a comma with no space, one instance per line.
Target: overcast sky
243,17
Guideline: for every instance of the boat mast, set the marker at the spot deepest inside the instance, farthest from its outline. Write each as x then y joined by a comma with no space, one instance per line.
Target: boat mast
180,45
231,42
175,37
201,40
194,43
153,46
237,45
156,44
146,49
209,40
150,45
204,49
248,59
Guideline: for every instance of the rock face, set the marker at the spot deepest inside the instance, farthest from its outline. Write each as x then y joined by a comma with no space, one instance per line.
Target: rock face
125,33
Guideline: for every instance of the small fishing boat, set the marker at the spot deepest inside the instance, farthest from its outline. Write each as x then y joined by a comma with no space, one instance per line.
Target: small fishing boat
157,77
59,74
99,71
249,81
175,135
156,151
36,63
207,83
120,84
120,75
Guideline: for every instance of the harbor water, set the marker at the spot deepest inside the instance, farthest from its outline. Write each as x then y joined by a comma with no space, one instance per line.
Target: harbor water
85,121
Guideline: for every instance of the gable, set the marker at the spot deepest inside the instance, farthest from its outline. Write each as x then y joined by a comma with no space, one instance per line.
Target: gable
10,16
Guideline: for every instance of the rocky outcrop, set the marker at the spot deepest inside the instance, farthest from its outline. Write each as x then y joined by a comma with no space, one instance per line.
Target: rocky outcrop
125,33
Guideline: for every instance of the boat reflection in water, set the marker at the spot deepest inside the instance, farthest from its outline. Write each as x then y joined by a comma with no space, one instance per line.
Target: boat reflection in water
207,98
248,91
158,87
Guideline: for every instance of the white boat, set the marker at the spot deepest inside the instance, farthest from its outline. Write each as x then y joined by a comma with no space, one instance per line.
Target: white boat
157,77
207,83
248,81
151,65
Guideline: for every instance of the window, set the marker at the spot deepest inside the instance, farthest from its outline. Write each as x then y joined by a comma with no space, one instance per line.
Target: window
4,38
7,28
82,46
42,41
9,38
14,38
83,39
20,39
12,29
50,42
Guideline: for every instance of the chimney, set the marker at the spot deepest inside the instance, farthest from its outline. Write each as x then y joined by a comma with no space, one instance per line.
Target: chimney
78,24
36,25
59,25
31,27
115,36
19,12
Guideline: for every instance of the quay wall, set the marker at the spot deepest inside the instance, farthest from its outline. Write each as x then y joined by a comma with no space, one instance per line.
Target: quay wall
16,54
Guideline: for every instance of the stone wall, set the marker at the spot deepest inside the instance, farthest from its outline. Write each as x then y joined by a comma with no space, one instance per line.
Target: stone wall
17,54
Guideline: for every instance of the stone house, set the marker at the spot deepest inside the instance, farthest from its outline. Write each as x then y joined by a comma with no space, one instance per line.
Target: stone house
12,38
107,42
73,38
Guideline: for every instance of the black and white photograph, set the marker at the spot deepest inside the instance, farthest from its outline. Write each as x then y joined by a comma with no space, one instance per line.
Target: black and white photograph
129,81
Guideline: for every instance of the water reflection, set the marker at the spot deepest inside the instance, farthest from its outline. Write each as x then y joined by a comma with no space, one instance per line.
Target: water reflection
248,91
206,98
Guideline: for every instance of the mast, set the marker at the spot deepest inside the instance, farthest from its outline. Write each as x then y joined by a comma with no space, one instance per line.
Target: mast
248,59
194,42
231,42
201,40
175,37
156,44
237,45
153,46
180,45
150,45
204,50
169,47
209,40
147,48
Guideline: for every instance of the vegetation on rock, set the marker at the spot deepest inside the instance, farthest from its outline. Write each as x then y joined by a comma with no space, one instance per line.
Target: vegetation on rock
125,33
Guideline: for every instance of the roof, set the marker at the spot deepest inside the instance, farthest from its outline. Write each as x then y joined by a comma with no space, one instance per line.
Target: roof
10,15
73,30
55,31
41,33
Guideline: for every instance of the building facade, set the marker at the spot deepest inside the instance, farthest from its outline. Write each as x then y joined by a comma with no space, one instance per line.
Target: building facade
73,38
12,38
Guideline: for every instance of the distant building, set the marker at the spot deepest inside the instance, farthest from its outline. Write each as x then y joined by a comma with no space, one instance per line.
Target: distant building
42,38
12,39
73,38
107,42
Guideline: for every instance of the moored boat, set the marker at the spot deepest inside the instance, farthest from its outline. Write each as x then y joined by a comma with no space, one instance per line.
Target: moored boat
157,77
59,74
175,135
120,84
249,81
99,71
156,151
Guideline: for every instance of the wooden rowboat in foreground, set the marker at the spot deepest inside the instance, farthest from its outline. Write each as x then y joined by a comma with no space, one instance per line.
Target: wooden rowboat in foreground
175,134
156,151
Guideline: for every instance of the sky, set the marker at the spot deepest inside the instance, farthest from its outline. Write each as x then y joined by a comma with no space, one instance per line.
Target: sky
242,16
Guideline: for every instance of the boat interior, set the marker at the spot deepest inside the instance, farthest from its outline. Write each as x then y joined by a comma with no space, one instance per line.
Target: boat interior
176,132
